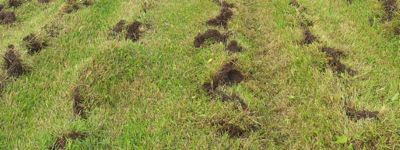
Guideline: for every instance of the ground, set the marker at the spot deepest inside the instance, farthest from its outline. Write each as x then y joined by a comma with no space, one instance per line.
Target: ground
200,74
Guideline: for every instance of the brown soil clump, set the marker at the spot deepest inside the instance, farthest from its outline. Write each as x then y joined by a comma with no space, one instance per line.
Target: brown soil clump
44,1
70,7
79,103
7,17
234,130
13,63
34,44
134,31
61,141
294,3
212,35
334,62
1,7
119,27
234,46
356,115
14,3
222,19
227,75
88,2
309,38
391,8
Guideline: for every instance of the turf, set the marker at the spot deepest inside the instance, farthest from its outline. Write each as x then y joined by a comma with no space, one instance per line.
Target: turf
148,93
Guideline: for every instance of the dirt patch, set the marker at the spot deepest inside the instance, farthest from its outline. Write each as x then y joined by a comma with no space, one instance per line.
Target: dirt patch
88,2
356,115
210,35
61,141
78,105
119,27
134,31
234,46
44,1
234,130
334,56
391,8
309,38
14,3
1,7
226,76
34,44
13,63
70,7
7,17
222,19
294,3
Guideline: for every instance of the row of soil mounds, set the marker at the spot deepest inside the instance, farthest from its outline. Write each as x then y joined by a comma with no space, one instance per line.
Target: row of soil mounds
73,5
133,31
227,75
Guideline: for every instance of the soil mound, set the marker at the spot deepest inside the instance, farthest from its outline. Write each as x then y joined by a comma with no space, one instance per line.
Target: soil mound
61,141
7,17
211,35
34,44
134,31
356,115
234,46
222,19
13,63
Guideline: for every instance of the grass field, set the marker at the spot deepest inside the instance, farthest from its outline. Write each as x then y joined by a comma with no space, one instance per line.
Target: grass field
320,74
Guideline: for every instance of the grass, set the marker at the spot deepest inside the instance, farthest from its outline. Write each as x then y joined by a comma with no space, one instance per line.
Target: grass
148,94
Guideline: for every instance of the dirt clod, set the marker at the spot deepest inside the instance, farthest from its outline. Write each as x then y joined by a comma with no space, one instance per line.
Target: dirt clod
13,63
309,38
44,1
356,115
234,46
134,31
294,3
334,56
7,17
212,35
391,8
1,7
34,44
78,105
61,141
222,19
227,75
119,27
14,3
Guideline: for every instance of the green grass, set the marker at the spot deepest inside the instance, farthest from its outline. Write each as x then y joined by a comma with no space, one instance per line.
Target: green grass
148,94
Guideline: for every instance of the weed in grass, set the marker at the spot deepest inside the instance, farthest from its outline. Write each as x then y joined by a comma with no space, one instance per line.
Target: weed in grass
134,31
34,44
222,19
61,141
234,46
14,3
13,63
391,8
309,38
7,17
211,35
356,115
